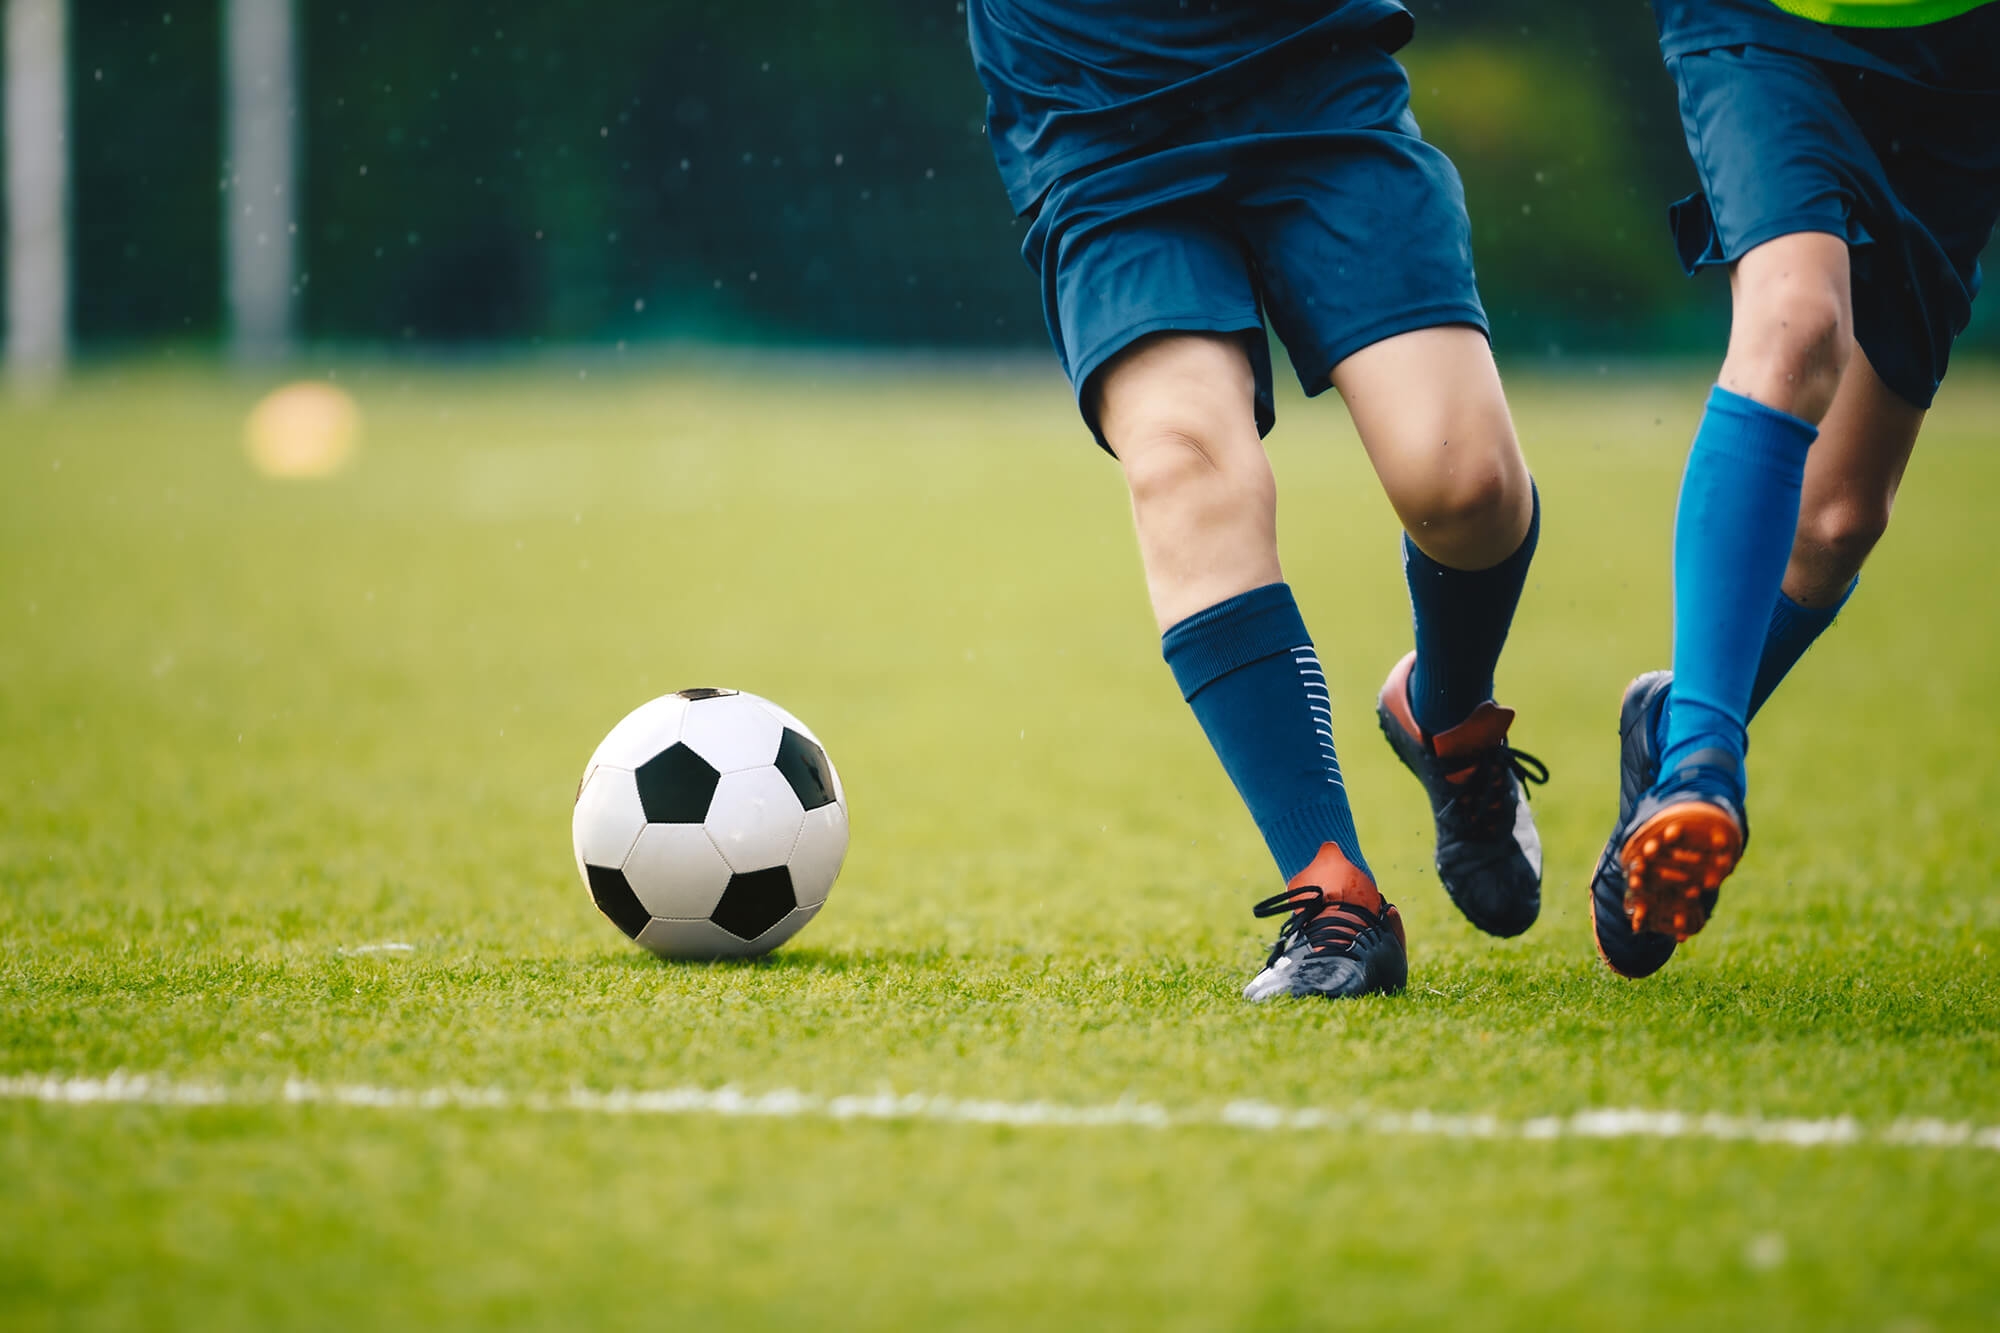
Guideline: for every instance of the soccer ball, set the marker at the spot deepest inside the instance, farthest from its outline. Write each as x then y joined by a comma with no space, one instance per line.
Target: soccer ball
710,824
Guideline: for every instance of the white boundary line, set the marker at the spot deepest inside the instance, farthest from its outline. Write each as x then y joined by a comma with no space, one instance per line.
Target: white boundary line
730,1103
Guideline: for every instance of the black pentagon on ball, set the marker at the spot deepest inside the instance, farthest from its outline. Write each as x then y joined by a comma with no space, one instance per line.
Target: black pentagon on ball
614,898
675,786
755,902
703,692
805,768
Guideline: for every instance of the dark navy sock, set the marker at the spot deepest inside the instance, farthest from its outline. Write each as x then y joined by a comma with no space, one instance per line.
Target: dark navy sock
1739,505
1792,630
1462,616
1247,668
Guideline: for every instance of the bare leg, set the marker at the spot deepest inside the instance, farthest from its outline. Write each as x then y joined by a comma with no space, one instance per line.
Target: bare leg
1791,332
1434,421
1178,410
1852,475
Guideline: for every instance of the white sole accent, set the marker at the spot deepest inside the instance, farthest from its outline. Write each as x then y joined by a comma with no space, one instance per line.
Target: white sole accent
785,1103
1526,836
1271,981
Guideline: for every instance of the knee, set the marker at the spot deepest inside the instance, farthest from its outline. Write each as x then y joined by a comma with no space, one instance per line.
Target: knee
1835,540
1463,503
1791,342
1186,468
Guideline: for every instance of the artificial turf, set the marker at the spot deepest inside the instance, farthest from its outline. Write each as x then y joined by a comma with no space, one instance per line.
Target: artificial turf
252,726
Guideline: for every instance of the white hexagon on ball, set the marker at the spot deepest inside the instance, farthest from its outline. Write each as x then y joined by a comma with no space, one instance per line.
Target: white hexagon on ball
608,818
817,855
752,832
642,733
731,731
755,819
675,870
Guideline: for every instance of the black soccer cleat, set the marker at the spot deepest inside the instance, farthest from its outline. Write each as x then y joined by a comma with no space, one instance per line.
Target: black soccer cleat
1340,937
1658,878
1489,856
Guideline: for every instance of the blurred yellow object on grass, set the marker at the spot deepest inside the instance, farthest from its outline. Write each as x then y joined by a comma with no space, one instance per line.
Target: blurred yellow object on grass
304,430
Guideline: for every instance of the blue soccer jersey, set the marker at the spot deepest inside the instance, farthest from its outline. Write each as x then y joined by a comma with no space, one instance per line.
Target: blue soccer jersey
1206,166
1963,55
1072,83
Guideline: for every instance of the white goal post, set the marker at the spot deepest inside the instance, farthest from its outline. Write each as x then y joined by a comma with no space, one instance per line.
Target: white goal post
260,201
37,134
260,163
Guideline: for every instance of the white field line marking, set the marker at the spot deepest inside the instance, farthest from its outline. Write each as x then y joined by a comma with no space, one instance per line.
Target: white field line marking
785,1103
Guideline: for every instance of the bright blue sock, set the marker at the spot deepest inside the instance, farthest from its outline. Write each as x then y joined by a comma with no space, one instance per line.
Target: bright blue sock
1739,506
1247,668
1792,630
1462,617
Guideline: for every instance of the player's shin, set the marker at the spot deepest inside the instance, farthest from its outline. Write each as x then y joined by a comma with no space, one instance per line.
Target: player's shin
1739,505
1248,669
1461,618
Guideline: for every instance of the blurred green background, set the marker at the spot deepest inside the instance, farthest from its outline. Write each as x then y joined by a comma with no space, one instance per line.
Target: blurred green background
792,171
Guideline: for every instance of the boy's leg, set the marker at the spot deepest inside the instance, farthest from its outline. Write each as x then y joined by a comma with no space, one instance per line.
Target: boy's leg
1432,416
1177,410
1791,339
1851,476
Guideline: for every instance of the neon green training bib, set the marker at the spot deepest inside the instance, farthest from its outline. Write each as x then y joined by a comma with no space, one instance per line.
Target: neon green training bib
1878,13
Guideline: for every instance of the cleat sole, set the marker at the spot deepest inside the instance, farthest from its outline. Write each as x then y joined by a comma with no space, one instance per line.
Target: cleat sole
1670,859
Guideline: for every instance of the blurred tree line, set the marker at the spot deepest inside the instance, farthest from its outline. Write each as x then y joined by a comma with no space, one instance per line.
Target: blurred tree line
481,171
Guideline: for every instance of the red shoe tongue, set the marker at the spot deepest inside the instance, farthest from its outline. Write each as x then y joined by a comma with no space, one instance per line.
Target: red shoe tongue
1334,875
1486,728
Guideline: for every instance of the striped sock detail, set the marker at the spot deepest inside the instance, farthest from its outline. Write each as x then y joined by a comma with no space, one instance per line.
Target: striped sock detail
1319,704
1248,669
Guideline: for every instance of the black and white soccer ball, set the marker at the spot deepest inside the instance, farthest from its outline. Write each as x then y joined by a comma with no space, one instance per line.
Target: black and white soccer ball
710,824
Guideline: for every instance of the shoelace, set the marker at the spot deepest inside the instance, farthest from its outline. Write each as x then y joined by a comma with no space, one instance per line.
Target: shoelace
1346,923
1480,807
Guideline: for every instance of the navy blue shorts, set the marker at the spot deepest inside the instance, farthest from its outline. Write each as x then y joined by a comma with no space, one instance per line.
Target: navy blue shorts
1315,204
1907,173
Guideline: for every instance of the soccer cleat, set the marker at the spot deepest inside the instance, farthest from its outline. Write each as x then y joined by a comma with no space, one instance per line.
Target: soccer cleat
1340,937
1489,856
1681,847
1658,878
1624,950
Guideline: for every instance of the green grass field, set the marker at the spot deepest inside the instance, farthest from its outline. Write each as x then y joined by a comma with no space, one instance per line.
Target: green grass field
252,726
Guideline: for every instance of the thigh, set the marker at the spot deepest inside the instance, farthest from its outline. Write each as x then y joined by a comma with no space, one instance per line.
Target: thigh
1130,252
1902,174
1178,410
1431,413
1185,392
1777,154
1358,236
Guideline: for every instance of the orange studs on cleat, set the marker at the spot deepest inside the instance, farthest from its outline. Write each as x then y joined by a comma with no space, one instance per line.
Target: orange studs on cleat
1671,859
